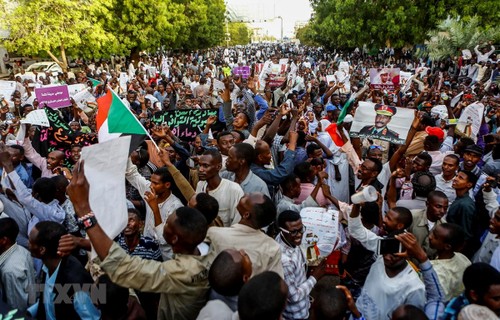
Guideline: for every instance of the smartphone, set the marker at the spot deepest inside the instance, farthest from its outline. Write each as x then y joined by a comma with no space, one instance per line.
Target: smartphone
389,245
451,121
289,104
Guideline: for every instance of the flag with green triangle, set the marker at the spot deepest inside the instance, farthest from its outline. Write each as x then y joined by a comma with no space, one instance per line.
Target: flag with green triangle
115,119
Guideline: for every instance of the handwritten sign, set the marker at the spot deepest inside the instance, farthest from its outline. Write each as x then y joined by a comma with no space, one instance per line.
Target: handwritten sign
185,124
59,136
7,88
54,97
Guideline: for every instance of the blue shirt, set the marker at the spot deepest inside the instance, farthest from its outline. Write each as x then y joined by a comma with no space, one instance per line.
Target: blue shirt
81,300
23,174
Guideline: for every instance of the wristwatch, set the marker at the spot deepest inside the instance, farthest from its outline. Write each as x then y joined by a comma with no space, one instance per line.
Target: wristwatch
87,221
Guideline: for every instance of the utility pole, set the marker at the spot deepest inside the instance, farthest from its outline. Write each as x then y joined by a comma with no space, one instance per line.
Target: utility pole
281,18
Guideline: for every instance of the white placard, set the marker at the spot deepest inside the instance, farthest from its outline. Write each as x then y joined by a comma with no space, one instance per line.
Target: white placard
466,54
219,85
37,117
105,166
75,88
322,231
7,88
81,99
456,99
470,120
123,81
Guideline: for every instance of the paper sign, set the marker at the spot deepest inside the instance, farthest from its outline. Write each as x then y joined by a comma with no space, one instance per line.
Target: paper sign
75,88
37,117
407,83
384,78
7,88
404,76
466,54
470,120
81,99
275,68
322,231
105,166
54,97
368,124
456,99
219,85
331,78
123,81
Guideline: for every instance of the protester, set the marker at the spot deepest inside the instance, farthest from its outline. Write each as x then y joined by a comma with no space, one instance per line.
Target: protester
241,135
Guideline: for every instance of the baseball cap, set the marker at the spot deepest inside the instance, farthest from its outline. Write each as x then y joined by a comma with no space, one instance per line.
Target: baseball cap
330,107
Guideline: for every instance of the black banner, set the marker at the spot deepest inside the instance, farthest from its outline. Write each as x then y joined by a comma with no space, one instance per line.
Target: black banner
185,124
59,136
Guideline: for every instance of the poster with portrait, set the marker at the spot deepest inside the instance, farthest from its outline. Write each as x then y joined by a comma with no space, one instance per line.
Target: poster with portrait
378,121
470,120
384,78
322,232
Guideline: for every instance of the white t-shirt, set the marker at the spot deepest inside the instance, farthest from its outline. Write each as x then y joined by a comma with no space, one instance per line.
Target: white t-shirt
228,194
381,295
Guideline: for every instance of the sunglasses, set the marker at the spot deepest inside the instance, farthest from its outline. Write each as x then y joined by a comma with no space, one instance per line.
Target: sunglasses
293,233
375,147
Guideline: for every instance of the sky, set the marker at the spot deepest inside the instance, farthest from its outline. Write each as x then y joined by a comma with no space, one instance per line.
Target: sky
292,11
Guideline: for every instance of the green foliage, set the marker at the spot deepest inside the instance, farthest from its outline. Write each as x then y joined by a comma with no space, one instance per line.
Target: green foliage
204,26
353,23
142,24
453,35
39,26
239,33
306,35
98,28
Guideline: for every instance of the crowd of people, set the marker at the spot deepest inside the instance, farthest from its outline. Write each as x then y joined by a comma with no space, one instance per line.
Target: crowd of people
214,221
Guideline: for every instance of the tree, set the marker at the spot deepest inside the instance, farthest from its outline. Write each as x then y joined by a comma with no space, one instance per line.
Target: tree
239,33
143,24
46,26
353,23
453,35
306,35
204,27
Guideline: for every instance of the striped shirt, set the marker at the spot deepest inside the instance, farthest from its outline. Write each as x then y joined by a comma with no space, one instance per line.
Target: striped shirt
299,286
147,248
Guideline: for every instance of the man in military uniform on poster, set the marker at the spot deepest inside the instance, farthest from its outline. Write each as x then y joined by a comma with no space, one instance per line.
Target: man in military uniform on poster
380,129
